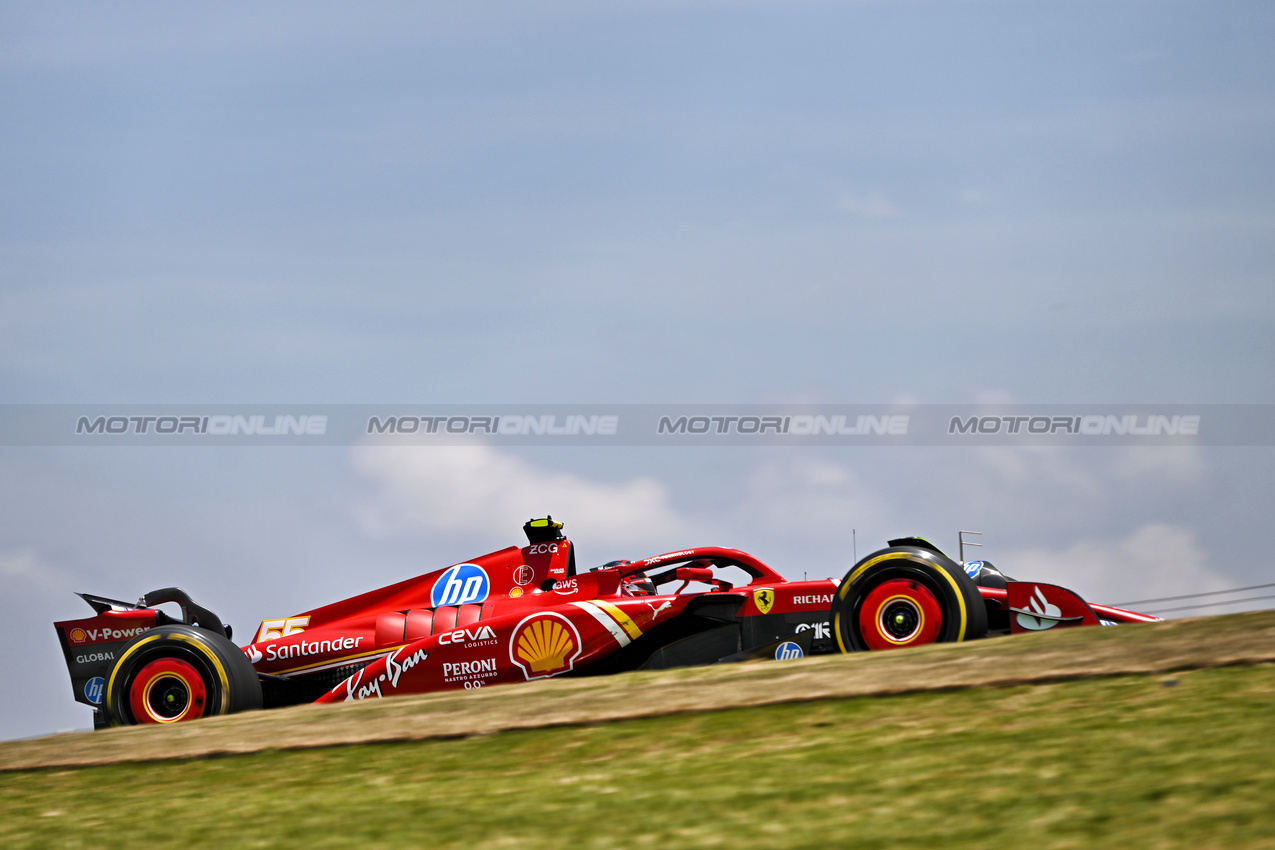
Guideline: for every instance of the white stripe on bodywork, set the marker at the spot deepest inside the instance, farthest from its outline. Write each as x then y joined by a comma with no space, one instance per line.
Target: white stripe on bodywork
605,619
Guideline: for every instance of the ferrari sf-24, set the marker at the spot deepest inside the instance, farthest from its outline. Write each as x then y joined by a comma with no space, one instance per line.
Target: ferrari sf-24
526,613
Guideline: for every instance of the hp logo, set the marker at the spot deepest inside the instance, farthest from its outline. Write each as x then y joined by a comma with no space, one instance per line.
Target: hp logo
788,651
460,585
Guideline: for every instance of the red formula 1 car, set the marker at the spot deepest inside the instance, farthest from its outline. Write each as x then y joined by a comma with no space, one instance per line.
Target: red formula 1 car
526,613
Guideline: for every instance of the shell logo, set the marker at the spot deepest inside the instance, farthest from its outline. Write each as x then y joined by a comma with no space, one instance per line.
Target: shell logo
78,636
544,645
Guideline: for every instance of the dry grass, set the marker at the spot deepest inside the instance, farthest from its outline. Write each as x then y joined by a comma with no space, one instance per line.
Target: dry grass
1108,762
1003,662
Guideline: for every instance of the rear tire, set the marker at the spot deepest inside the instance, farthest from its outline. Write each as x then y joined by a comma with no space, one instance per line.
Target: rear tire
906,596
177,673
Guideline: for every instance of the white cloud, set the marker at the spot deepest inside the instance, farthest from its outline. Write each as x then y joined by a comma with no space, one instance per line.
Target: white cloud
1085,484
994,395
799,509
810,497
871,205
24,566
1155,561
34,593
1029,468
18,563
477,488
1164,464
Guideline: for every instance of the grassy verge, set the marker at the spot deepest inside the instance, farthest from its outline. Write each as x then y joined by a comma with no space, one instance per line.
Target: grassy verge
1002,662
1126,761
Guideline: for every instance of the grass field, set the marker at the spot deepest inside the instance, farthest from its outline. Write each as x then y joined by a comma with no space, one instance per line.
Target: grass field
1171,760
1043,657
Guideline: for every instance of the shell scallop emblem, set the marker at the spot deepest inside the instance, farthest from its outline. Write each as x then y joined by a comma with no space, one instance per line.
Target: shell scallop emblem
544,645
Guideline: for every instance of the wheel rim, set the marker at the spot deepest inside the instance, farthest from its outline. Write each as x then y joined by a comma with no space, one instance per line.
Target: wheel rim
899,613
168,690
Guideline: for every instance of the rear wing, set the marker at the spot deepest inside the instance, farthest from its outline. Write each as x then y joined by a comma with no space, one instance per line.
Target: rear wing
91,645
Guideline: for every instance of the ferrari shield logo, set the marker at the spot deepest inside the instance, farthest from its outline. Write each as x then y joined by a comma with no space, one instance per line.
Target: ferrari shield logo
764,599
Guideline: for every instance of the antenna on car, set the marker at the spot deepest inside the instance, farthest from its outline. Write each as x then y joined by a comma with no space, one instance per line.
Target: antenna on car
962,542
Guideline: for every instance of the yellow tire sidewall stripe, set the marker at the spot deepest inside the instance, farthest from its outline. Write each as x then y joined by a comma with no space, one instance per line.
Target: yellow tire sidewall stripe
200,647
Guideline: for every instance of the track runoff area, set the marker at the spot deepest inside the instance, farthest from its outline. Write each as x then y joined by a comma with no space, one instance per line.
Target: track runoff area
1155,735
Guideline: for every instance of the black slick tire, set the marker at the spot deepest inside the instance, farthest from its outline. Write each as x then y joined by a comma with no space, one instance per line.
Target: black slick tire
964,615
229,681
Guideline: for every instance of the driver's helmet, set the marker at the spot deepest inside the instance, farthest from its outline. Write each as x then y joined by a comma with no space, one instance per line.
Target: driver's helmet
637,584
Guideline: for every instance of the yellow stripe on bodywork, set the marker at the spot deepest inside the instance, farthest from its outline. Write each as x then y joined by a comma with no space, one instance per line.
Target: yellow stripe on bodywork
895,556
605,621
622,618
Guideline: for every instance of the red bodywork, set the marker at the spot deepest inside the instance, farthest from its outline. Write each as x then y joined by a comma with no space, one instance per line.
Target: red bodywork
523,631
521,614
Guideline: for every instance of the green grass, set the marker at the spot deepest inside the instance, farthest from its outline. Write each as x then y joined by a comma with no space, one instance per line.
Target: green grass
1126,762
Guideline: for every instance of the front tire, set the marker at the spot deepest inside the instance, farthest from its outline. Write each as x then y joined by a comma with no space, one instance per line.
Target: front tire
906,596
177,673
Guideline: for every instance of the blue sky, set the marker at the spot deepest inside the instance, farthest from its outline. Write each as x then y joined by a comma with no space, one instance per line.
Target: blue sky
1048,202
